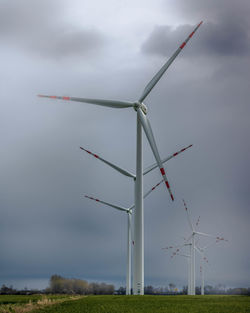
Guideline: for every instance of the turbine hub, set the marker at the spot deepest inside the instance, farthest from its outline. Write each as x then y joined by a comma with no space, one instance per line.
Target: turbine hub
142,106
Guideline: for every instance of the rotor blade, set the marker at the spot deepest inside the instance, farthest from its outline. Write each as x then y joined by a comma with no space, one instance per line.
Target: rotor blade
198,249
198,221
176,252
189,220
153,166
106,103
108,204
220,238
148,131
204,234
147,193
185,255
119,169
152,189
177,246
159,74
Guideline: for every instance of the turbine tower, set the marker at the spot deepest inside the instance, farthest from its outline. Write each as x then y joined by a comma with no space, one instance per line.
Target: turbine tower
142,122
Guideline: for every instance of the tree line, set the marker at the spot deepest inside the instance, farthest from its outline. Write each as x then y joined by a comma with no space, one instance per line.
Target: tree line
61,285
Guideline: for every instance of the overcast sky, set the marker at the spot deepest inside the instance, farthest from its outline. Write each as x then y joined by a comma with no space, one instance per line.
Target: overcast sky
111,49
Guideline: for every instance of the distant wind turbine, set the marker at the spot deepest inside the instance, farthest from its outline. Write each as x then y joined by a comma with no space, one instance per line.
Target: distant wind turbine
201,251
193,246
129,232
142,121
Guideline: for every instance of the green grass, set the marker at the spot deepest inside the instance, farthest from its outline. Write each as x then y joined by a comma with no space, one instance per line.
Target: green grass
152,304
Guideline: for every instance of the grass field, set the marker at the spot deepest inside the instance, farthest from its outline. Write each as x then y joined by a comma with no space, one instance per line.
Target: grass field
148,304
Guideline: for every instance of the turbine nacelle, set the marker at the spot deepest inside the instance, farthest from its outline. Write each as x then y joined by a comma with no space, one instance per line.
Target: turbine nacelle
142,106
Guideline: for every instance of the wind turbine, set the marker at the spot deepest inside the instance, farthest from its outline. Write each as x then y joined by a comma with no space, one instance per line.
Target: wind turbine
142,121
193,246
129,232
204,259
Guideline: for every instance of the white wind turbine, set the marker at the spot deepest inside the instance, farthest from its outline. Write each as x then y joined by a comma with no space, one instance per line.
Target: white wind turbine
193,246
128,210
142,121
204,259
129,232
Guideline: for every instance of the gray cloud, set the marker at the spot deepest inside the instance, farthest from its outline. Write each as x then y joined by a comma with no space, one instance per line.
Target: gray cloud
41,27
45,226
214,39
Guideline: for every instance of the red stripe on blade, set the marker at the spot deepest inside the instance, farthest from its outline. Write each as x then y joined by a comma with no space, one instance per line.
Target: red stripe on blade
167,184
191,35
175,153
182,45
172,197
162,171
66,98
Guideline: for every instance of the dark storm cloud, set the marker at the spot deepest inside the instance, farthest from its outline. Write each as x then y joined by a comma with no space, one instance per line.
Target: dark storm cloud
41,27
225,31
215,39
224,11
